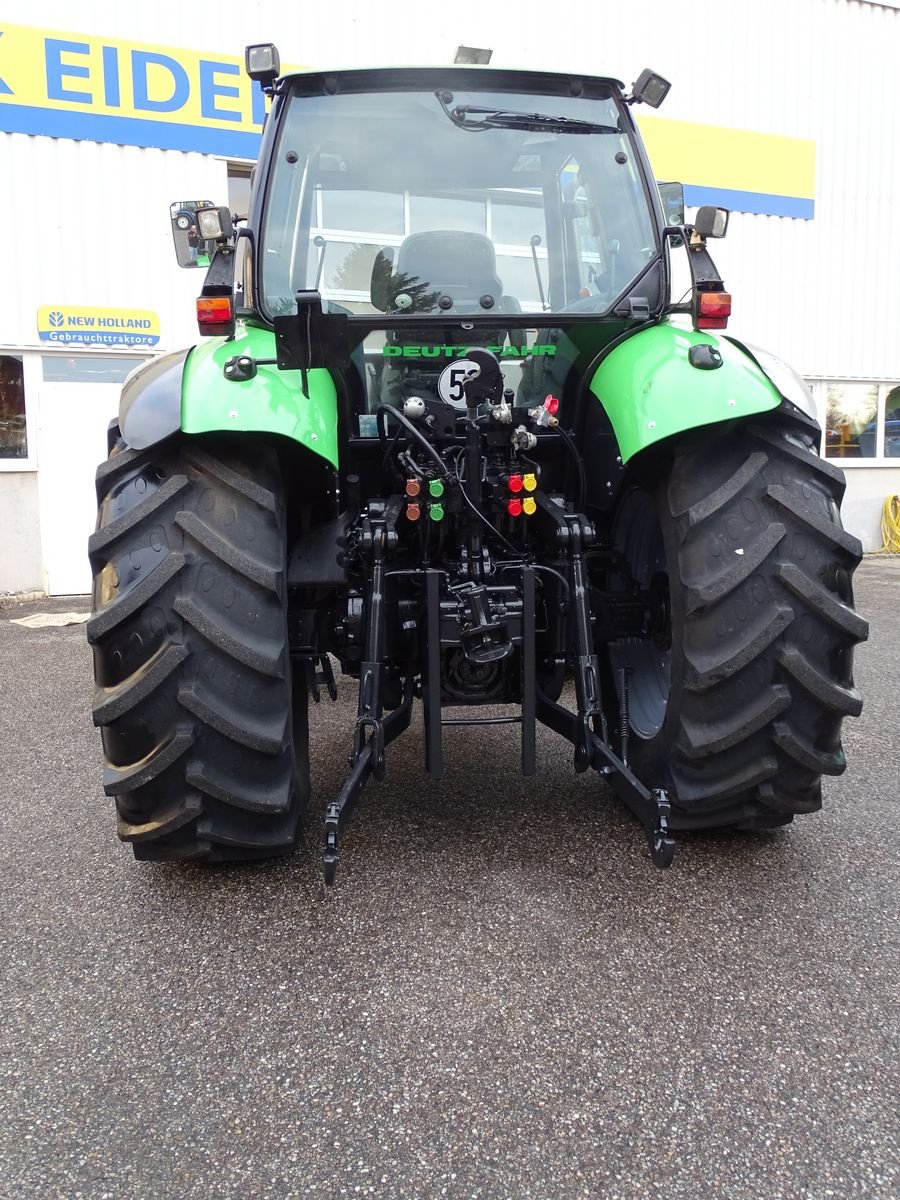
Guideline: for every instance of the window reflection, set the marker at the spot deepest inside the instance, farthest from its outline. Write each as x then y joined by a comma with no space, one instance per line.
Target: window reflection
851,411
363,210
520,278
892,423
517,217
13,439
86,368
239,181
447,212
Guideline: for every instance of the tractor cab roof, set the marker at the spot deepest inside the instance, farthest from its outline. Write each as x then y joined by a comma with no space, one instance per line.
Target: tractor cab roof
464,76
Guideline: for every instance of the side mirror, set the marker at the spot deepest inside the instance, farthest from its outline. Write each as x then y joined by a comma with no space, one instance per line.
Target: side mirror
192,249
672,197
711,222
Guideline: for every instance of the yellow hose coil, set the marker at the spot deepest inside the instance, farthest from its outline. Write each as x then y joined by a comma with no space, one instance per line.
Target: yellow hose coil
890,525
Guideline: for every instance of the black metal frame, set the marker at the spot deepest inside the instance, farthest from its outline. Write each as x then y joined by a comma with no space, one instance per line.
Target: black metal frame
586,728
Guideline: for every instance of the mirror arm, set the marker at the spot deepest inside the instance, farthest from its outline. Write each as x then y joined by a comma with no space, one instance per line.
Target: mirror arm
704,272
705,275
219,279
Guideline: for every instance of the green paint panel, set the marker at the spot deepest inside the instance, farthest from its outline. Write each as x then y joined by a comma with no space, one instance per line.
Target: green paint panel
272,402
651,391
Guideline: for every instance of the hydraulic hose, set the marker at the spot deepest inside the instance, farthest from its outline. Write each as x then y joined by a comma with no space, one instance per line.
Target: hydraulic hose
890,525
410,428
570,445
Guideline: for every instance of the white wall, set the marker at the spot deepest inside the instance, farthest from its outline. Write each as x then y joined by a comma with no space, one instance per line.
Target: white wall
88,224
21,569
867,489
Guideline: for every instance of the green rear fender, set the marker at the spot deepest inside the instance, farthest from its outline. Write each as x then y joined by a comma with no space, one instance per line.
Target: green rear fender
271,402
651,391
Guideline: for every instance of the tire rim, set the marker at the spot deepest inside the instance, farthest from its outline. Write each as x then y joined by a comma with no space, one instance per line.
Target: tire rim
639,539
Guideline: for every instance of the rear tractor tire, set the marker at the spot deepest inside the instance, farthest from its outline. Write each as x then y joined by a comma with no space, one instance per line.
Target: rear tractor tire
206,747
738,711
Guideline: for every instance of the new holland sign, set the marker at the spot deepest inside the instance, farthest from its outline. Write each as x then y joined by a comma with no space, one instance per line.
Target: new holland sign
99,89
71,325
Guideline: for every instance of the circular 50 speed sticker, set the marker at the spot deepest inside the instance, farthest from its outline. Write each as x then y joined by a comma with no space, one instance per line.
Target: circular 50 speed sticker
451,385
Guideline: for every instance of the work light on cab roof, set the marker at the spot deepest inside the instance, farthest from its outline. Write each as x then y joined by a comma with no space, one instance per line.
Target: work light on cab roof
263,64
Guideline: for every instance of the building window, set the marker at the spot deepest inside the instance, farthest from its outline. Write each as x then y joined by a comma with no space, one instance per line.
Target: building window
860,419
851,411
891,423
433,212
86,368
240,183
240,179
363,210
13,434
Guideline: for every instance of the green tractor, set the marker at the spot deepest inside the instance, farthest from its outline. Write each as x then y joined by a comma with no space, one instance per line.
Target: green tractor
450,432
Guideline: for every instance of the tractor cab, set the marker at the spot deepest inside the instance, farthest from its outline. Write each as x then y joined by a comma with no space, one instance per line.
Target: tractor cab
444,209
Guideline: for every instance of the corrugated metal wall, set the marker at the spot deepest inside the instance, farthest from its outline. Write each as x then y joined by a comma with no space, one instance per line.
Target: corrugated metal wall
825,293
87,224
83,220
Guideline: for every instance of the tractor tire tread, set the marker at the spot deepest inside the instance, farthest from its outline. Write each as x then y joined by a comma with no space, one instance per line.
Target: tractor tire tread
816,523
234,721
260,653
710,505
112,703
127,603
166,820
825,604
212,467
133,776
747,560
254,568
193,691
708,737
104,538
705,670
762,669
264,795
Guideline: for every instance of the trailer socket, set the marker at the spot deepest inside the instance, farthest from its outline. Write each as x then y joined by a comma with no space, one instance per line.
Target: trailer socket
704,357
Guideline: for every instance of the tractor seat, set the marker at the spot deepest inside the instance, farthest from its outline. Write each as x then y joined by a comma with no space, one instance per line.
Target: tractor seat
440,271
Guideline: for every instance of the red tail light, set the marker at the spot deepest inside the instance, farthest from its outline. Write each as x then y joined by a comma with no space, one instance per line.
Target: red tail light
215,315
713,310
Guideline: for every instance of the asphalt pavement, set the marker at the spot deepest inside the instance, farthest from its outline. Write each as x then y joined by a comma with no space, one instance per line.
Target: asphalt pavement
501,997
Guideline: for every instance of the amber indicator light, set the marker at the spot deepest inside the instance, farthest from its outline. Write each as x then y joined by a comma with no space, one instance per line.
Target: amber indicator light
713,310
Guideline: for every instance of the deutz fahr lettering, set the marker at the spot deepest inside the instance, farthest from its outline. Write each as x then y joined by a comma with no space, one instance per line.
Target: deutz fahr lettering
525,351
478,459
